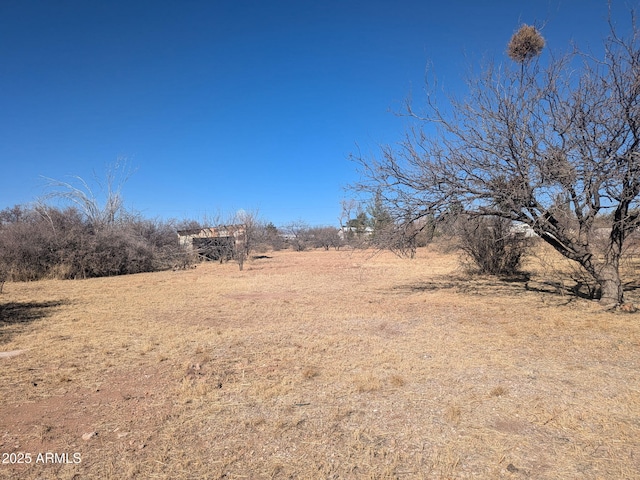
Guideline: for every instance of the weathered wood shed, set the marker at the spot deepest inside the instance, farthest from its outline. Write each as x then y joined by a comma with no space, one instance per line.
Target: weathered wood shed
216,243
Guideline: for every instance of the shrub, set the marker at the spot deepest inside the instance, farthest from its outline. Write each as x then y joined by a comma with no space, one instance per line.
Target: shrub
491,245
46,242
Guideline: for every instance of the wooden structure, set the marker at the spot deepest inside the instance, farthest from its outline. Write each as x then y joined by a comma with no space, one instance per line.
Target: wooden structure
224,242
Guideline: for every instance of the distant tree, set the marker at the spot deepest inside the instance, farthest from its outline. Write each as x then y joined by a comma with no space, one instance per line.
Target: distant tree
325,237
253,228
359,224
247,230
13,214
378,213
272,237
551,144
356,231
380,221
354,223
271,229
348,207
298,235
189,224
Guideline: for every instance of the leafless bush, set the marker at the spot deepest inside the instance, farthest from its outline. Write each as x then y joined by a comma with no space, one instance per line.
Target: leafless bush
491,245
47,242
160,237
28,244
115,251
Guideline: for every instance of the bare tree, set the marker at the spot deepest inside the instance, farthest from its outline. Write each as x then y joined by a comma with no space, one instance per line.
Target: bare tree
325,237
246,229
349,206
102,206
298,235
552,144
253,227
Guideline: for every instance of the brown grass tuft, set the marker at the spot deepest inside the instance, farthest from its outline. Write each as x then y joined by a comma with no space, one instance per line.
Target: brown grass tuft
309,373
367,383
397,380
498,391
453,414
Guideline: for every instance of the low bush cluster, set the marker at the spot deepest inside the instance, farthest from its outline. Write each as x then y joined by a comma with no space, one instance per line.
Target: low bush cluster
492,245
48,242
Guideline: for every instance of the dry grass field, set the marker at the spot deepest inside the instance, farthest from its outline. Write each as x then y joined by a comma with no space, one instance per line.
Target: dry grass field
317,365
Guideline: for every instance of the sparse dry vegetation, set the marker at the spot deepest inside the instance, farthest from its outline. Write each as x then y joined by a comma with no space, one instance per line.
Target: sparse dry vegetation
49,242
319,364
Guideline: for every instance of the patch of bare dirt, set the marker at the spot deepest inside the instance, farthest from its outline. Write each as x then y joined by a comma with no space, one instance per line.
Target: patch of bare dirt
122,415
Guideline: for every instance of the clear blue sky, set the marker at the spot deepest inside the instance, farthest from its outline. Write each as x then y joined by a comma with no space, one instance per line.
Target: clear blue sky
221,105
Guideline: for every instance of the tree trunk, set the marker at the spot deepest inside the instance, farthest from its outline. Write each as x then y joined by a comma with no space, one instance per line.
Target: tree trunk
609,275
610,285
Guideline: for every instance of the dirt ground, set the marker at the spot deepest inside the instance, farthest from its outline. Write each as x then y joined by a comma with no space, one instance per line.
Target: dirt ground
317,365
